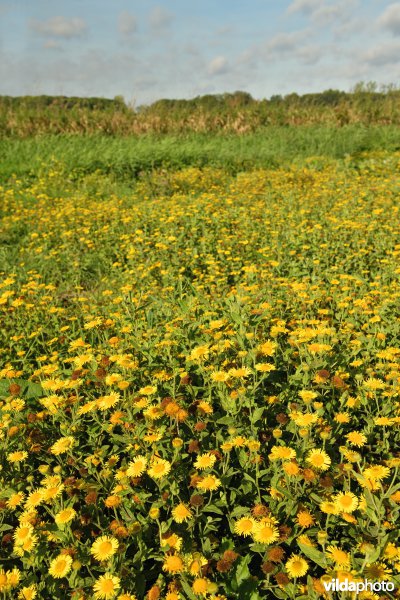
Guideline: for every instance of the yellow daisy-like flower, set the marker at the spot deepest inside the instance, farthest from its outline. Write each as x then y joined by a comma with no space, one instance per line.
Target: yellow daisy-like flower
148,390
346,502
318,459
268,348
17,457
173,564
200,586
87,407
209,483
305,519
194,563
205,407
376,472
220,376
245,526
265,367
159,468
281,453
34,499
265,532
296,566
338,556
65,516
106,402
329,508
172,540
28,593
62,445
181,513
104,547
15,500
307,395
106,587
137,466
13,577
356,438
22,533
205,461
304,420
60,566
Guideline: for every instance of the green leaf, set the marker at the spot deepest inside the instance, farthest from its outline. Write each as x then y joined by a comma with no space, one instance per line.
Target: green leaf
314,555
242,569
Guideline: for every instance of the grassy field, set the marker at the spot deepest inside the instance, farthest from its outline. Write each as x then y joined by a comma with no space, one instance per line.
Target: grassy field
200,357
123,158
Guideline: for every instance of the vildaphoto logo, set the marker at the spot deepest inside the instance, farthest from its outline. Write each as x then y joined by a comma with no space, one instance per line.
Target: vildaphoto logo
335,585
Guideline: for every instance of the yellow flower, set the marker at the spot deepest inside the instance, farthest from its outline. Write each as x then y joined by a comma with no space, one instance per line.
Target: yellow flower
356,439
181,513
220,376
62,445
281,453
307,395
329,508
305,519
245,526
159,468
172,540
338,556
104,547
60,566
265,367
376,472
173,564
137,466
106,587
28,593
148,390
205,461
265,532
15,500
296,566
346,502
200,586
318,459
65,516
18,456
268,348
209,483
106,402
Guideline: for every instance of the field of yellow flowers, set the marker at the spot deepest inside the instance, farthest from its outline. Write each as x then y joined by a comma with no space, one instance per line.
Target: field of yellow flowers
199,382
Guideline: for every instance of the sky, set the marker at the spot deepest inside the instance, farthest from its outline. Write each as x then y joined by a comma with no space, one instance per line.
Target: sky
145,50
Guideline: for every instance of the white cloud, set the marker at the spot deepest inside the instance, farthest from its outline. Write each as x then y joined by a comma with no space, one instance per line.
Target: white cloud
51,45
390,18
324,12
386,53
304,6
127,24
160,18
62,27
217,65
284,43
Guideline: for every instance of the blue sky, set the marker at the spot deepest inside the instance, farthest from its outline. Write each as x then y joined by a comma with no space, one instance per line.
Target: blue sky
179,49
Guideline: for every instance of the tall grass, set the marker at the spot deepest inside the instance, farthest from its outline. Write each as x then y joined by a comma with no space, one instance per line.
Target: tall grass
124,158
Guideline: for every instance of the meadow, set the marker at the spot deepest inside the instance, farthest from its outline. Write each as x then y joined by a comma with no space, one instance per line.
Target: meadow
200,357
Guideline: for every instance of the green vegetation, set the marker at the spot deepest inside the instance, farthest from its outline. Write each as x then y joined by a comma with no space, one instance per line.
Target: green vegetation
125,158
236,113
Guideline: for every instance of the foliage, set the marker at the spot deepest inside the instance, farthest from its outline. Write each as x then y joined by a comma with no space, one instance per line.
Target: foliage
199,391
236,113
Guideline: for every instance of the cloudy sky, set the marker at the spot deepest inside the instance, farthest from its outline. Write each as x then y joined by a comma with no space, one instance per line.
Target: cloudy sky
147,50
